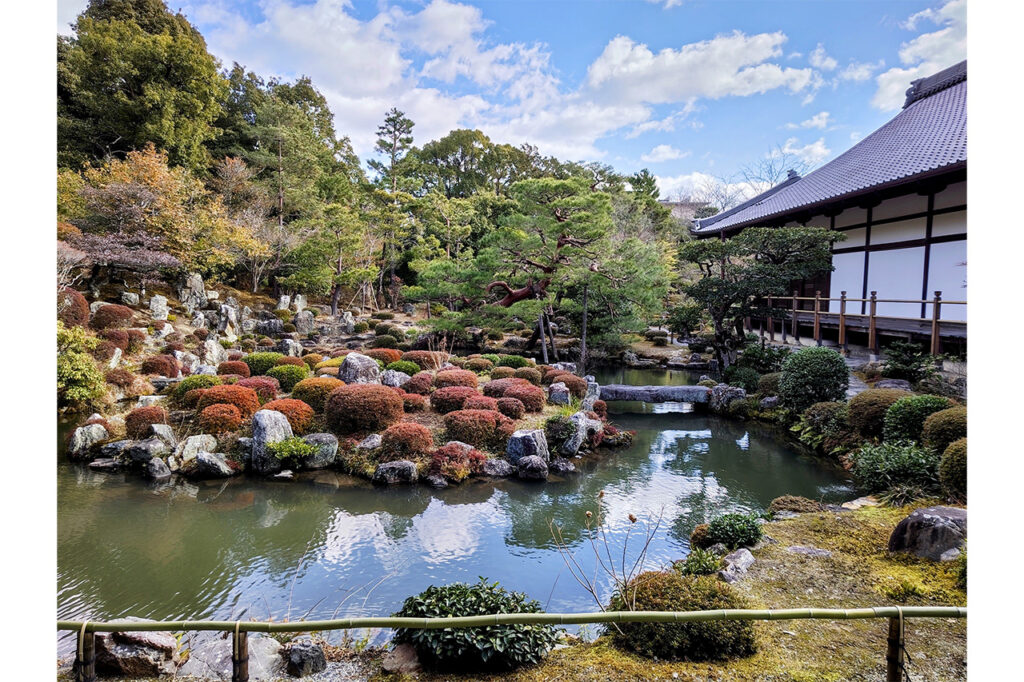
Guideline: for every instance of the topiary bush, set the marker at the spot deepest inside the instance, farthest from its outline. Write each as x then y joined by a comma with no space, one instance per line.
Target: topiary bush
502,373
414,402
292,360
406,440
138,421
421,383
455,463
451,398
410,368
531,374
384,341
260,362
577,385
229,367
298,413
111,317
312,359
220,418
701,537
944,427
73,309
245,399
314,391
288,375
162,365
768,384
455,377
904,420
266,387
479,365
953,470
688,641
383,315
362,407
360,328
813,375
195,381
386,355
699,562
512,408
878,468
490,648
868,409
481,428
532,397
707,383
735,530
514,361
118,337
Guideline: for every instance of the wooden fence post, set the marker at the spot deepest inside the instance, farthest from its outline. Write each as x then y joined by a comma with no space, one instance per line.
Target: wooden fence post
817,317
240,656
796,326
842,323
872,332
771,322
936,304
894,651
85,657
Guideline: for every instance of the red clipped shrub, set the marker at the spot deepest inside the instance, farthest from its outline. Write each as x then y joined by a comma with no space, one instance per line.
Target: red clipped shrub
234,356
191,398
201,333
138,421
118,337
292,360
406,440
328,371
414,402
425,358
532,397
362,407
171,347
421,383
298,413
455,377
497,387
245,399
340,352
577,385
455,464
385,355
121,378
551,376
482,428
451,398
74,309
136,339
480,402
163,365
512,408
219,418
111,317
104,351
314,391
233,367
266,387
601,408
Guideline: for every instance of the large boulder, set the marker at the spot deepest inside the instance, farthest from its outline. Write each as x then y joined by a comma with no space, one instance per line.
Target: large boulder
394,378
532,468
346,323
391,473
268,426
326,445
212,353
284,302
208,465
269,327
291,348
304,322
158,307
84,438
582,427
227,322
402,660
723,394
305,658
157,470
359,369
299,303
211,660
164,433
192,292
935,533
558,394
129,299
188,360
565,366
527,443
592,395
144,450
560,465
136,654
497,468
371,442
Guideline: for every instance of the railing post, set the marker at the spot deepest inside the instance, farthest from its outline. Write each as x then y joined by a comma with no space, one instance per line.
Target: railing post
817,317
240,656
936,304
894,651
872,331
796,326
842,323
771,322
85,657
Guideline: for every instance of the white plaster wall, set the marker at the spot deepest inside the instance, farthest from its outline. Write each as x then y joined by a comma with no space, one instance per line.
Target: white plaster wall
903,230
848,276
949,223
946,273
854,237
897,274
851,216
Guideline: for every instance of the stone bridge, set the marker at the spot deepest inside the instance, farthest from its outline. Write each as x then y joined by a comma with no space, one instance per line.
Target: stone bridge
656,394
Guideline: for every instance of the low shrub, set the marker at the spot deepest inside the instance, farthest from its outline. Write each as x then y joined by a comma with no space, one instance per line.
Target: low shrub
195,381
138,421
496,387
480,402
245,399
111,317
479,365
162,365
191,397
410,368
73,309
768,384
904,420
813,375
121,378
699,562
421,383
385,355
406,440
481,428
384,341
531,374
455,377
953,469
298,413
944,427
494,647
701,536
825,425
220,418
514,361
312,359
266,387
260,362
426,359
577,385
908,360
502,373
414,402
292,449
688,641
455,463
512,408
868,409
104,351
794,503
201,333
118,337
877,468
601,409
265,342
288,375
288,328
291,360
532,397
362,407
451,398
229,367
707,383
360,328
314,391
735,530
383,315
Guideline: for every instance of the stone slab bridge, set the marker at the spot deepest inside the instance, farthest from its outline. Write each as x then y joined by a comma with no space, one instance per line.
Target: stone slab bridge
656,394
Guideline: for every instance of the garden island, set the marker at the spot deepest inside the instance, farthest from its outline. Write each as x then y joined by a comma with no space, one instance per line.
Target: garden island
462,378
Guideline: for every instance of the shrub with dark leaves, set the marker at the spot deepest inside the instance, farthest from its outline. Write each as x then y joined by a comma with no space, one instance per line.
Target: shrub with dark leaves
162,365
138,421
735,530
362,407
451,398
266,387
72,308
238,368
406,440
455,377
482,428
813,375
868,409
298,413
314,391
512,408
111,317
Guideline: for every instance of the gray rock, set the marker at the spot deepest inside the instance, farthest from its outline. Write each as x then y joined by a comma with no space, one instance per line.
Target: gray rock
291,348
935,533
436,481
566,366
193,445
583,428
96,305
769,402
809,551
211,660
409,309
656,394
243,446
371,442
84,438
269,327
901,384
210,465
189,360
118,448
346,323
497,468
326,445
128,298
299,303
527,443
192,292
115,359
210,370
285,475
532,468
198,320
213,295
359,369
136,654
227,322
391,473
147,400
305,658
304,322
284,302
268,426
157,470
558,394
723,394
212,353
394,378
736,565
144,450
106,464
402,660
164,433
718,549
249,325
158,307
560,465
592,395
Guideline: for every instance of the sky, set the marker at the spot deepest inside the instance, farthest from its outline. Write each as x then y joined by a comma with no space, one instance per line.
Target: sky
686,88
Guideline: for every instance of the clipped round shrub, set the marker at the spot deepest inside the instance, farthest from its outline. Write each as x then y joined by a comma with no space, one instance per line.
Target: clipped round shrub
531,374
422,383
502,373
701,536
383,315
481,428
74,309
768,384
104,351
479,365
953,469
384,341
410,368
686,641
735,530
480,402
162,365
455,463
746,378
414,402
201,333
601,409
265,342
288,375
426,359
111,317
195,381
514,361
138,421
552,376
118,337
707,383
191,398
360,328
383,328
512,408
532,397
312,359
451,398
362,407
298,413
260,362
385,355
577,385
314,391
794,503
245,399
288,328
496,387
944,427
868,409
813,375
406,440
455,377
291,360
229,367
220,418
266,387
904,420
121,378
879,468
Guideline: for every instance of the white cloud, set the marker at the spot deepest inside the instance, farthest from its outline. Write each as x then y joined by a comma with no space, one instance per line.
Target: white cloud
664,152
813,153
860,71
819,120
67,12
819,59
925,54
667,4
696,183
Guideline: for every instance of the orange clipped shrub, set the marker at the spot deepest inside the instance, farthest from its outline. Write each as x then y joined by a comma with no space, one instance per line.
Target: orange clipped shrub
234,367
512,408
298,413
455,377
532,397
191,397
531,374
138,421
266,387
414,402
111,316
456,464
551,376
406,440
425,358
163,365
502,373
314,391
362,407
480,402
312,359
385,355
601,409
497,387
292,360
219,418
481,428
451,398
245,399
577,385
328,371
421,383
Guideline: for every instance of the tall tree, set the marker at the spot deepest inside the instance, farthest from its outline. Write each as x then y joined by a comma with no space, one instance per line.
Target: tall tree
394,140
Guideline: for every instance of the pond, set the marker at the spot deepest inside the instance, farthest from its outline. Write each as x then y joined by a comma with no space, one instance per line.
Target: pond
328,544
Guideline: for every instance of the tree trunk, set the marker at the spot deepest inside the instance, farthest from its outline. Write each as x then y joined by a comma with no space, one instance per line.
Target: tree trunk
335,298
543,341
583,331
554,348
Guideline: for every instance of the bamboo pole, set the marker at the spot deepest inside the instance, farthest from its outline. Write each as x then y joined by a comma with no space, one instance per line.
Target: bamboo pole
894,651
842,323
85,656
872,330
240,655
936,340
817,318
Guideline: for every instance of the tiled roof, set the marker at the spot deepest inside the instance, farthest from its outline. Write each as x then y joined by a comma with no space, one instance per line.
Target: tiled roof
927,137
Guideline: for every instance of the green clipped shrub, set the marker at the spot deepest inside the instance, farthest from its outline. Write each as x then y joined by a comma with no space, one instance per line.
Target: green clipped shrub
764,360
953,469
878,468
195,381
735,530
699,562
688,641
531,374
293,448
904,420
384,341
490,648
288,375
514,361
768,384
479,365
404,366
944,427
502,373
493,357
259,363
868,409
707,383
79,380
813,375
909,361
383,315
360,328
746,378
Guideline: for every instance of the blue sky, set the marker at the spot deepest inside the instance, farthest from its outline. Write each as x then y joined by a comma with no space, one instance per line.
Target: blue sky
686,88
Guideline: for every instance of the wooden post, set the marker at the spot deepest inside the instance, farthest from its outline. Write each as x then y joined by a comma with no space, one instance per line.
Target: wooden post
817,317
872,332
771,322
842,323
894,651
796,326
85,657
543,338
936,305
240,657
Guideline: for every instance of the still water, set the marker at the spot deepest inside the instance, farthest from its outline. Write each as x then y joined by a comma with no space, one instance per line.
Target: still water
327,544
